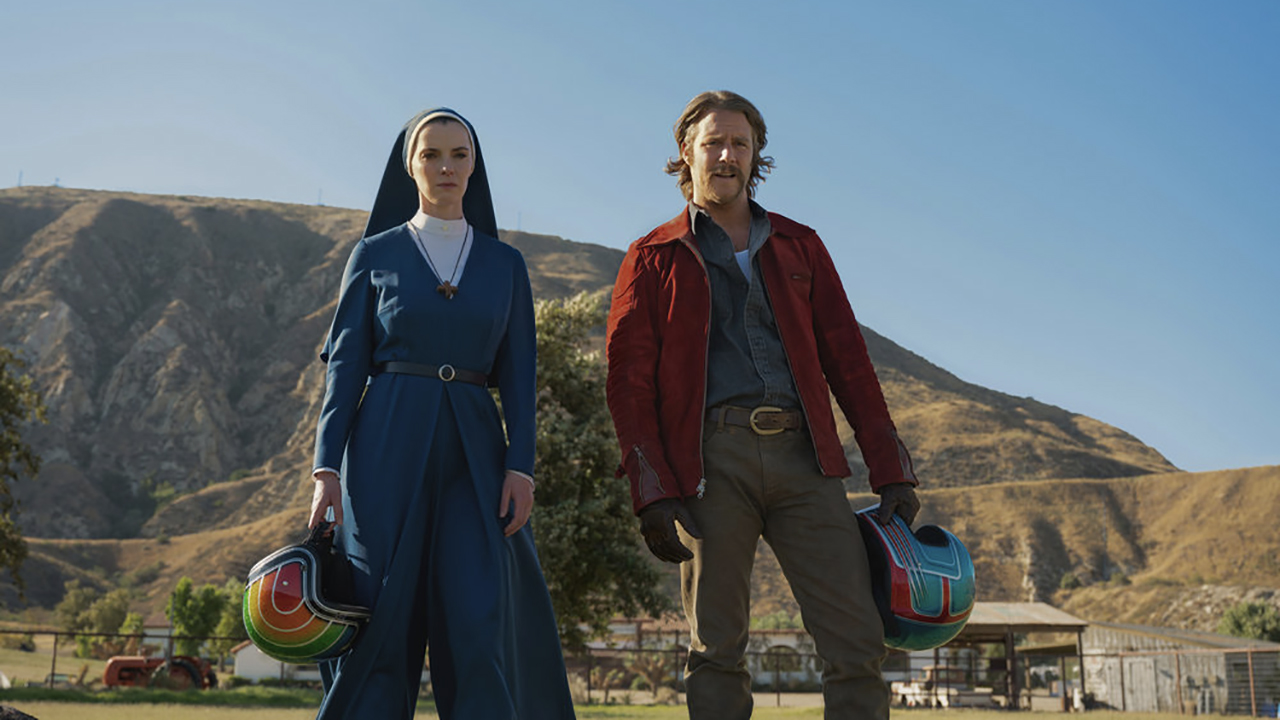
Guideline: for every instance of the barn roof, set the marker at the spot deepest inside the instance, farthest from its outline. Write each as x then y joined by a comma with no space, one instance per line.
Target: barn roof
1146,637
992,622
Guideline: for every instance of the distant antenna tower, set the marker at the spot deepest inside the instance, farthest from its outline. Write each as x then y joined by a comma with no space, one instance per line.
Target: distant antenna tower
320,197
57,182
19,178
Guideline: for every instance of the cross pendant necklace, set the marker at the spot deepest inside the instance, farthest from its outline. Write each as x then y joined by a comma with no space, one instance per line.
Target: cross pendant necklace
446,287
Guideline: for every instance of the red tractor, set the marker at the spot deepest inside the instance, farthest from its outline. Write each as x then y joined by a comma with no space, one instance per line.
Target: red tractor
182,672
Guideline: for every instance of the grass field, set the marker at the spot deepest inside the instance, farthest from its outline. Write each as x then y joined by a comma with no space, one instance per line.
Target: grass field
79,711
21,667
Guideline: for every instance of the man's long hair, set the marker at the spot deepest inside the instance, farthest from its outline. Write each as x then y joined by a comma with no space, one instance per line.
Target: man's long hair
694,112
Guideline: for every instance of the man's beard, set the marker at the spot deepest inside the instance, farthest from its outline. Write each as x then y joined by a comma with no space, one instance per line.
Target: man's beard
723,198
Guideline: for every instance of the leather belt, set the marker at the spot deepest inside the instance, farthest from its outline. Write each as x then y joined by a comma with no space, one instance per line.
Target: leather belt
447,373
763,420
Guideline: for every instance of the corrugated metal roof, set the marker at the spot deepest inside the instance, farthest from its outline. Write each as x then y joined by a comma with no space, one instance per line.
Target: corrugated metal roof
1031,615
1163,637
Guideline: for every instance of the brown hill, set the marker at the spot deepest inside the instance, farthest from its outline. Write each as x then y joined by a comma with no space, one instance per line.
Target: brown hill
175,339
1174,549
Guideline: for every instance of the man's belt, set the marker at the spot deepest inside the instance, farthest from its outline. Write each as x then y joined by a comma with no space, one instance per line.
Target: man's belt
447,373
764,420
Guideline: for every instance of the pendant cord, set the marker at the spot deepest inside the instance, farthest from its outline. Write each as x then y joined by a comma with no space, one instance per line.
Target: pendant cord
456,263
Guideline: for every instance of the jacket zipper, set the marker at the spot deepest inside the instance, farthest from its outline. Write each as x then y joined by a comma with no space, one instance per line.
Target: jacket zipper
646,467
799,394
706,352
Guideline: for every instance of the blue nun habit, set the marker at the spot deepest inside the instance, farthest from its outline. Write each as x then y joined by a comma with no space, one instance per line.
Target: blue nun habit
423,463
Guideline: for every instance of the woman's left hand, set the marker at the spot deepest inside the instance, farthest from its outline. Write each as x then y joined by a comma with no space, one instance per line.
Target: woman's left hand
518,490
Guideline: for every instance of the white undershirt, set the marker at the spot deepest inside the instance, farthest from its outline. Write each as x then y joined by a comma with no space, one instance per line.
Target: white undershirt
744,261
443,243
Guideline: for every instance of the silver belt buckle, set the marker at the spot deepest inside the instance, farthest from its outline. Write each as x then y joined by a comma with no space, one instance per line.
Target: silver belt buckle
451,373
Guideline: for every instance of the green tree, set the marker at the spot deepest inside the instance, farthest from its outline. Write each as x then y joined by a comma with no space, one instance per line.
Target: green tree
779,620
588,538
656,668
71,612
105,615
108,612
1256,620
132,626
230,622
193,613
85,609
19,405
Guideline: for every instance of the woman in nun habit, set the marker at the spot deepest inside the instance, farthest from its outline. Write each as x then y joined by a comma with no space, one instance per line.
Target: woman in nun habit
429,494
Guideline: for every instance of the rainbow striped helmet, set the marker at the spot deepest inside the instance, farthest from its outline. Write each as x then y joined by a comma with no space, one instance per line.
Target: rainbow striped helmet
287,611
922,581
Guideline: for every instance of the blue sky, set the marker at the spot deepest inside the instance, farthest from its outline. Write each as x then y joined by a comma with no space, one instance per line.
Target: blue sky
1069,200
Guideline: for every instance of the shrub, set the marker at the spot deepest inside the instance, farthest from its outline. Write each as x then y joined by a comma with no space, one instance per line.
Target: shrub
1256,620
666,696
231,682
578,689
24,642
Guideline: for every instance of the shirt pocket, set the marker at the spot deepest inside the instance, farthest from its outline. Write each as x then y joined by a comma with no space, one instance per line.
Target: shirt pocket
800,283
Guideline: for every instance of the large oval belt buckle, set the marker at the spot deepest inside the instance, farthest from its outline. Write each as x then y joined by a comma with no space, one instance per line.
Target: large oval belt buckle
446,373
754,416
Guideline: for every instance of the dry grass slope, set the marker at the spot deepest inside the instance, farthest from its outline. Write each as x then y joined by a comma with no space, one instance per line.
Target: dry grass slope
1172,549
175,338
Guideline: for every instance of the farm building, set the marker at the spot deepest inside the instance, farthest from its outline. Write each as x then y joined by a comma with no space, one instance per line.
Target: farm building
1152,669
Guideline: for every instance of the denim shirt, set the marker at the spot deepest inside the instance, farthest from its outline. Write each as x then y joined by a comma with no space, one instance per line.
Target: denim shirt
746,363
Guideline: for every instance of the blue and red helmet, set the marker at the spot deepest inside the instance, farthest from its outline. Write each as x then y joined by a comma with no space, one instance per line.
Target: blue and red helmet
922,581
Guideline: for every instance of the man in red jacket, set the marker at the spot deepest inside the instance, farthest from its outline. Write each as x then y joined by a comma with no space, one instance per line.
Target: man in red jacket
728,329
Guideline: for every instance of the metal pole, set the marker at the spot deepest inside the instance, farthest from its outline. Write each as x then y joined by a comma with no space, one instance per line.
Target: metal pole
1177,670
590,661
1080,658
1011,670
1122,700
53,666
675,670
1253,695
1062,683
937,672
675,642
777,678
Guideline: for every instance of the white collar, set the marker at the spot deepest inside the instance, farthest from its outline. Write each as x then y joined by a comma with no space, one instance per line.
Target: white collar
423,223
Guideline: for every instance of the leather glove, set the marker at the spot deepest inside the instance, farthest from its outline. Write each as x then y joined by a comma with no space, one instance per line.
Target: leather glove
898,498
658,525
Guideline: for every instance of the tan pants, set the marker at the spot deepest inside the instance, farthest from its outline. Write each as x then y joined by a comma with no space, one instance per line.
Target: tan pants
770,487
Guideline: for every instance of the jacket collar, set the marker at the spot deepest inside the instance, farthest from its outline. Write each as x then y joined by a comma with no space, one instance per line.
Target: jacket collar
679,228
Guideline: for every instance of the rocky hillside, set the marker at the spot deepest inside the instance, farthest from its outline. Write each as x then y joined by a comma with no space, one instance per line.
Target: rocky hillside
1173,549
174,339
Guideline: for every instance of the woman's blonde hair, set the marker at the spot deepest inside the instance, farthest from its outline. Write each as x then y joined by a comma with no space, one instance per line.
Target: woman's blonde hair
694,112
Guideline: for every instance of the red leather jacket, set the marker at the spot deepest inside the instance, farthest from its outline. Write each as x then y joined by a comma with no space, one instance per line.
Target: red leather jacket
657,350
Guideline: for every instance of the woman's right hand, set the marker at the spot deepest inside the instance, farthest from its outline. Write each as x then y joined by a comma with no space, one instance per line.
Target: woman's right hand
327,494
